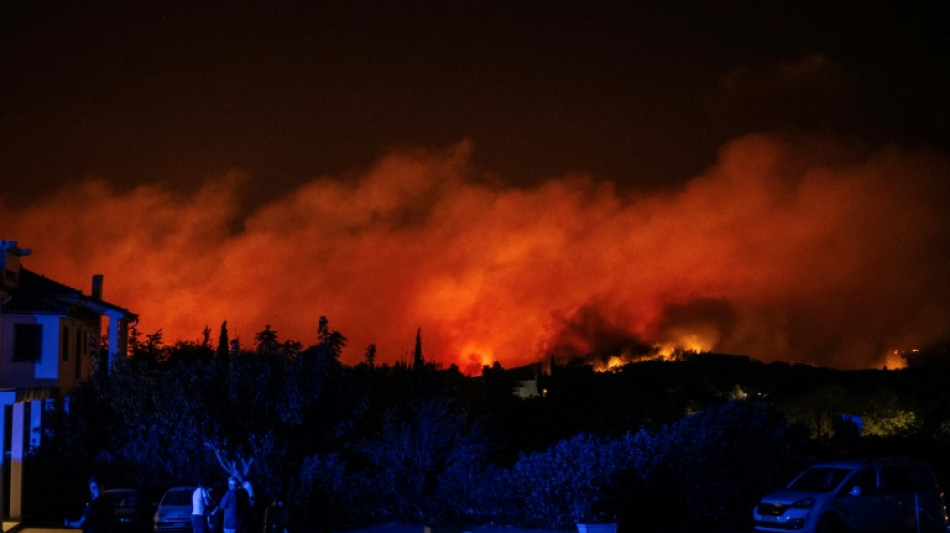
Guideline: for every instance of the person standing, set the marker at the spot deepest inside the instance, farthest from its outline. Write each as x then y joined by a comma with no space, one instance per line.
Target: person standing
253,516
99,513
234,504
200,508
275,517
250,491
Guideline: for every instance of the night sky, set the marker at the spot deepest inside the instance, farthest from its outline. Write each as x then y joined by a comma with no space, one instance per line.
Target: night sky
515,178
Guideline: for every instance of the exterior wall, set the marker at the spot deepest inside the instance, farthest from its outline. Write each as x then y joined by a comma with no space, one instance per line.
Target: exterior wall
7,399
117,335
51,369
18,448
21,415
74,361
47,367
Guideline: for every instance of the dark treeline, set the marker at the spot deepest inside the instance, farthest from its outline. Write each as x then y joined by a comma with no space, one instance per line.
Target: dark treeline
690,443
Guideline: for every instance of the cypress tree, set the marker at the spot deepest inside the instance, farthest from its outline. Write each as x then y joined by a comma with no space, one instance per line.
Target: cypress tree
223,344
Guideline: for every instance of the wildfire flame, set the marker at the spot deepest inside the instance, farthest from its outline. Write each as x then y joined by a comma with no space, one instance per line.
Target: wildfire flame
895,360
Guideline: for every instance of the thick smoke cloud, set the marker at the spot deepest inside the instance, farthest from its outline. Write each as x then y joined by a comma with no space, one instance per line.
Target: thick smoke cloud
785,249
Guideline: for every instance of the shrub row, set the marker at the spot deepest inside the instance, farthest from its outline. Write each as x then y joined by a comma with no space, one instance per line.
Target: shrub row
703,472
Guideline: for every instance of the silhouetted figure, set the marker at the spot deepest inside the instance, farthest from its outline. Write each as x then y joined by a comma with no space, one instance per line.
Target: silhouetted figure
99,513
275,517
252,518
234,504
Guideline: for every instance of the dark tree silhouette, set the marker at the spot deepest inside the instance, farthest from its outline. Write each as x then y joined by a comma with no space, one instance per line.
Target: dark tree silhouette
206,337
267,343
223,344
417,361
370,355
330,343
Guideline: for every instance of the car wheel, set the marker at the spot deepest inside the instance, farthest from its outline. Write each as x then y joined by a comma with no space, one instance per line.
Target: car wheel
830,524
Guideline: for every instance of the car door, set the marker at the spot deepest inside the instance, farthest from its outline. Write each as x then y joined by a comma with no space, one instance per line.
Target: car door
897,488
861,503
907,487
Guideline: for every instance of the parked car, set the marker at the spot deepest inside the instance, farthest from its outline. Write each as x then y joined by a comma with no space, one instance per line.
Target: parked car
173,514
856,496
131,510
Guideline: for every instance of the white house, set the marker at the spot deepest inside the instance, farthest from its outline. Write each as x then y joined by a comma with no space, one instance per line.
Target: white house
50,338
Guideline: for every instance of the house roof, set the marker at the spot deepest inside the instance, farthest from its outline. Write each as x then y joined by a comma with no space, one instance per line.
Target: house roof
36,294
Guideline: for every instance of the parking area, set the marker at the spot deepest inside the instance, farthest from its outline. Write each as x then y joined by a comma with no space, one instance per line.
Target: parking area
16,527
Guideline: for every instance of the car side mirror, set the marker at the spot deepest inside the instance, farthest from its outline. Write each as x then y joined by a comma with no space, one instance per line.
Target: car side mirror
855,491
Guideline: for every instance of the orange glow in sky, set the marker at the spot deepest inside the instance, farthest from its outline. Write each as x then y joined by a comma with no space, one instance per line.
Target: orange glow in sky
778,251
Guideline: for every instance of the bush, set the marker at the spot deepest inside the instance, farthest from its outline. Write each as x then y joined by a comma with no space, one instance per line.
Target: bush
431,446
706,470
718,462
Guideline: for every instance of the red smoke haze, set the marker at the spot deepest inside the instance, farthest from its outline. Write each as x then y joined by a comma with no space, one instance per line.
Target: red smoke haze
783,250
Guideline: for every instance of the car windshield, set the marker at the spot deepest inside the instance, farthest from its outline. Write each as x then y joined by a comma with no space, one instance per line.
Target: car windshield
819,479
124,499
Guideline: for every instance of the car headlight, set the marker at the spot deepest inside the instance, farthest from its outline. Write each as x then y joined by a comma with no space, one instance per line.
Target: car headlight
804,503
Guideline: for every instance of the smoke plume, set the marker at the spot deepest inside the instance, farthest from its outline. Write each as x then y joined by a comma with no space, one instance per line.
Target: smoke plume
785,249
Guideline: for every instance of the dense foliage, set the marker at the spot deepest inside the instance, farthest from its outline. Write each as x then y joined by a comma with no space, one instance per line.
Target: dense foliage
690,443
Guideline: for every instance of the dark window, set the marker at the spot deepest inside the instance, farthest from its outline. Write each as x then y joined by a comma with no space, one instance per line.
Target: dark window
82,341
820,479
866,479
27,342
906,478
65,343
